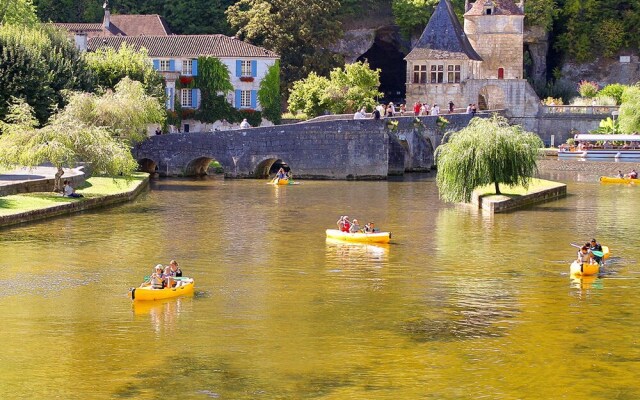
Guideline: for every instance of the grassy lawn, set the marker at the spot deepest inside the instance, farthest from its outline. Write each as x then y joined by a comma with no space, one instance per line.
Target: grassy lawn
92,188
515,191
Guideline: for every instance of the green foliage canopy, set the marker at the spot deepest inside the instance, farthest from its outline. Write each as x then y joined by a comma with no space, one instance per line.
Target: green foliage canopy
269,94
124,112
614,90
629,117
345,91
18,12
63,142
110,66
300,32
38,64
486,151
412,15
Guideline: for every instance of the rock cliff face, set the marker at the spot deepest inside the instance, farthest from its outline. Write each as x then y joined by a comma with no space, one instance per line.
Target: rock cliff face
536,43
604,71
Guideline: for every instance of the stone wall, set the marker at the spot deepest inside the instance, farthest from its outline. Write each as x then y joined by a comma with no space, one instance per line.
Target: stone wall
42,184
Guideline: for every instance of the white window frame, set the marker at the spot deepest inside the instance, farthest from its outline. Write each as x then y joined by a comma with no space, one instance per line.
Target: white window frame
187,67
164,65
245,68
454,73
245,98
436,73
186,98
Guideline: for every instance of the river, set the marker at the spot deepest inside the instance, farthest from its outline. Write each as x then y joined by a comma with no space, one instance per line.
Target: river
461,305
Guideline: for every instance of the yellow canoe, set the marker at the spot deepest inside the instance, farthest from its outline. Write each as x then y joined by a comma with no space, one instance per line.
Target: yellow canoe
610,179
376,237
577,269
147,293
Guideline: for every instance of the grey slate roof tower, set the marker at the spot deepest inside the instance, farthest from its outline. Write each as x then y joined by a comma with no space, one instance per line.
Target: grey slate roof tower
443,38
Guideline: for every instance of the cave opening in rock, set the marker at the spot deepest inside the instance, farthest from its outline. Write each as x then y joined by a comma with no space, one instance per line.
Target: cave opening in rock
385,54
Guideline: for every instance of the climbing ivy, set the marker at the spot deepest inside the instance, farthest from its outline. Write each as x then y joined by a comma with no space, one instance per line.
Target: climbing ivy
214,83
269,94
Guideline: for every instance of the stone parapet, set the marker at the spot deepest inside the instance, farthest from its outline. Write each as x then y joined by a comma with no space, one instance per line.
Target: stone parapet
499,203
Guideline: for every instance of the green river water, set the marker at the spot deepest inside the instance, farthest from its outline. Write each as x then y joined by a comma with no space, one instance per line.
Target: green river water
462,305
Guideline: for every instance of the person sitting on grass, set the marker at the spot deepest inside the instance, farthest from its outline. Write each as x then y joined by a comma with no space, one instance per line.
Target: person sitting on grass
69,191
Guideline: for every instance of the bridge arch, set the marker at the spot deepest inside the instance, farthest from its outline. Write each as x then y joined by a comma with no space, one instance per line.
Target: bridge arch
147,165
270,166
200,166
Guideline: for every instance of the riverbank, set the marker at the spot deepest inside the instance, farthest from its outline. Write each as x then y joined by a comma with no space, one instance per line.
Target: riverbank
97,192
511,198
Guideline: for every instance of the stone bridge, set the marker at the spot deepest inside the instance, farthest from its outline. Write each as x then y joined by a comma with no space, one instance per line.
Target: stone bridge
330,149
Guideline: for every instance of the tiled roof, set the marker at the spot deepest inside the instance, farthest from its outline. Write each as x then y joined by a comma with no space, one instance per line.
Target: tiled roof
443,38
500,7
123,25
185,46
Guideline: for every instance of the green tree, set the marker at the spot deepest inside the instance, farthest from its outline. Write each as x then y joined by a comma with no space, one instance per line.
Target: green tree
38,64
269,94
20,12
540,13
63,142
351,88
629,117
124,112
307,95
412,15
300,32
110,66
486,151
69,10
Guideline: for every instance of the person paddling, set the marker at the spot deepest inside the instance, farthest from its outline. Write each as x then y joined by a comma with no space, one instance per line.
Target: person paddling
595,248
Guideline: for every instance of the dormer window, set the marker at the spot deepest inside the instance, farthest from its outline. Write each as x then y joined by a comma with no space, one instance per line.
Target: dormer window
488,8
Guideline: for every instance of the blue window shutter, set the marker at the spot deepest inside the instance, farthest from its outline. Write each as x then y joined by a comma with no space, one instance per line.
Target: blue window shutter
172,65
194,98
194,68
156,65
238,99
253,99
238,68
254,68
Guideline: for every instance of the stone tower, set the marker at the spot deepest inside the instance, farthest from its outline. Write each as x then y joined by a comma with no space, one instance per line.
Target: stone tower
495,29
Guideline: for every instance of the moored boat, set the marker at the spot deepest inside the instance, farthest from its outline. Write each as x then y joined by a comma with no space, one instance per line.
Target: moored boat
611,179
592,151
147,293
376,237
280,182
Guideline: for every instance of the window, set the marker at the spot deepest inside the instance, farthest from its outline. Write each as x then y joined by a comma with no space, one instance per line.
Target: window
187,98
453,73
245,68
165,65
419,74
187,67
245,98
437,73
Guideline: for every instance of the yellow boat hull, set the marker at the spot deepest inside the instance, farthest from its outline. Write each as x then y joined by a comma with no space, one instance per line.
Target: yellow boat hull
377,237
577,269
609,179
281,182
146,293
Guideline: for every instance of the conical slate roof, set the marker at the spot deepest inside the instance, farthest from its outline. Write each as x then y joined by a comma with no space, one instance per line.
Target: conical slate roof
443,38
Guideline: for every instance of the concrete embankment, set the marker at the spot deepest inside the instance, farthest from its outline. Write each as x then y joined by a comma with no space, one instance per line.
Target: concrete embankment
92,200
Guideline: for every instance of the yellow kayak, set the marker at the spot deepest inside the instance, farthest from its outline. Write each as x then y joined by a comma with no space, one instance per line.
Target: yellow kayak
610,179
376,237
577,269
285,181
147,293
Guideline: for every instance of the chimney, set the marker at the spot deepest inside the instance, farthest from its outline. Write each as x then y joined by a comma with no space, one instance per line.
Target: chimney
81,40
106,22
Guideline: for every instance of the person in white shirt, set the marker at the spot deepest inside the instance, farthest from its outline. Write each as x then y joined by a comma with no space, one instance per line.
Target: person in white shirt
244,124
435,110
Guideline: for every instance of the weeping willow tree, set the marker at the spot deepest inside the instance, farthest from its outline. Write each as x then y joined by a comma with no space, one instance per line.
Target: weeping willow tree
486,151
630,110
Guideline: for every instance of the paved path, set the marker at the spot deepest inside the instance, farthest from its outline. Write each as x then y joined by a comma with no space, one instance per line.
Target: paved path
20,175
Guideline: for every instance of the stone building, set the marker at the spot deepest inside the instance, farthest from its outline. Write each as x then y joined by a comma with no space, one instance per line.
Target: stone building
481,64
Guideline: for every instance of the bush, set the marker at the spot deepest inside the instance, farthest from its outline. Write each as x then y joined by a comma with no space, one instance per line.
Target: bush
614,91
588,89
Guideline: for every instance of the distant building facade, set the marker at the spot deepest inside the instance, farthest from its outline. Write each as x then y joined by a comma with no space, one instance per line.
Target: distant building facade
175,57
481,64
